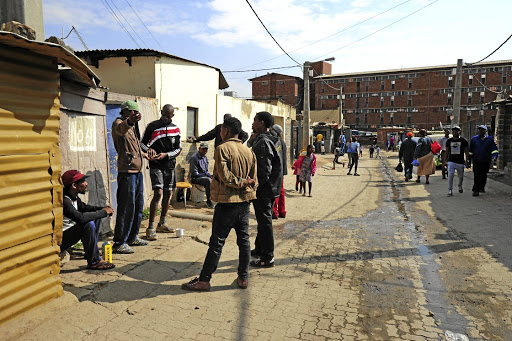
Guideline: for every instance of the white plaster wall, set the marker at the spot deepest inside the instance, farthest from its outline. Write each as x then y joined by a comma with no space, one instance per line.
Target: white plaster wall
184,84
118,76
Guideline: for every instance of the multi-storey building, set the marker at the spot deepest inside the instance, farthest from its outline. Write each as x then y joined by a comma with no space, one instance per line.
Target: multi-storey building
276,86
416,97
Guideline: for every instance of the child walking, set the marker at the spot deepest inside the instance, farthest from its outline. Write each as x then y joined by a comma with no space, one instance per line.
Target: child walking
308,169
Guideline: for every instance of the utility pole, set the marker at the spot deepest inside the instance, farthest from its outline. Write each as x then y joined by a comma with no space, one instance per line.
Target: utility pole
340,118
456,99
306,115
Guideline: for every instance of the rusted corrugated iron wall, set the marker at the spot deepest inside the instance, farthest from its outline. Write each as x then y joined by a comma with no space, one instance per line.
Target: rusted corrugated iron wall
30,187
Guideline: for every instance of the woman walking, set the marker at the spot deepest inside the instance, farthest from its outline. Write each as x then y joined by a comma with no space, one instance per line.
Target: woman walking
307,168
425,157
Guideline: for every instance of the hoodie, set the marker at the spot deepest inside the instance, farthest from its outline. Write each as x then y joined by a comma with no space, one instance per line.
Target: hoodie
268,159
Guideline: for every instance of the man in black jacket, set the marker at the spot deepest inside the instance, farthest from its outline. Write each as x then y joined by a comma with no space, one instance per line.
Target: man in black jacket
162,142
215,134
82,221
406,155
270,178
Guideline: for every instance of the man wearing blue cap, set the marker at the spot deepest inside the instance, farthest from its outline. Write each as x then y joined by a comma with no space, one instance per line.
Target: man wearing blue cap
130,183
482,149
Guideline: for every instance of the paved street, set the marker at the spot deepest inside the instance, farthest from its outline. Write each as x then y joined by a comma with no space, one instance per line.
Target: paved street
366,258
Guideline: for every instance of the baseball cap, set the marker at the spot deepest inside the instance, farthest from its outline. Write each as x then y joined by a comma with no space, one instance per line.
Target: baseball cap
130,105
456,127
409,134
72,176
203,145
483,126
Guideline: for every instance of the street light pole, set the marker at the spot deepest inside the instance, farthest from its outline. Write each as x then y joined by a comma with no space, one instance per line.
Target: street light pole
306,114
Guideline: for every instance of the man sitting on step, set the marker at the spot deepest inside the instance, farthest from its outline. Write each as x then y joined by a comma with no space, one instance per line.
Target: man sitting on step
199,171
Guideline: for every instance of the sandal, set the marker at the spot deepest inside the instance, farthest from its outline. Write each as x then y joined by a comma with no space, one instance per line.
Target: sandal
101,265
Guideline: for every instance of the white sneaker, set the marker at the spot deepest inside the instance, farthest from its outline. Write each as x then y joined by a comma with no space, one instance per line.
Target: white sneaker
450,192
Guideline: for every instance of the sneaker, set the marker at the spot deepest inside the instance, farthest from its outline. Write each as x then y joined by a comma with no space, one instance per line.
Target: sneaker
138,242
282,215
450,192
123,248
209,204
274,217
164,228
482,190
196,285
242,283
255,253
475,194
356,174
406,179
418,181
150,234
460,189
258,263
348,173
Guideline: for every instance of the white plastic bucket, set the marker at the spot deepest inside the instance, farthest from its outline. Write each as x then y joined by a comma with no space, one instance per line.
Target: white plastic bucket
180,233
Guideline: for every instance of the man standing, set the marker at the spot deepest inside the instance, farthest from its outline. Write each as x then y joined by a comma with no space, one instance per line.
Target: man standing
81,221
215,134
406,155
233,187
481,150
457,156
199,171
279,208
270,179
130,184
162,142
442,142
353,156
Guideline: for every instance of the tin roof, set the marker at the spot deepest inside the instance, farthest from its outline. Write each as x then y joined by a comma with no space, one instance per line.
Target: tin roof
63,55
101,54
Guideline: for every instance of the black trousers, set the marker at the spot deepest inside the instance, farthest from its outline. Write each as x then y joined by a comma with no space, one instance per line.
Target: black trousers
205,182
225,217
480,170
355,161
264,243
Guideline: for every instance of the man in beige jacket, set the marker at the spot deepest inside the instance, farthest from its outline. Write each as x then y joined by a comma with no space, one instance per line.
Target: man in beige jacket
233,187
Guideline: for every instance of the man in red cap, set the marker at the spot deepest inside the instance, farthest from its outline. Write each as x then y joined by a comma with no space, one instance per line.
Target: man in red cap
81,221
406,155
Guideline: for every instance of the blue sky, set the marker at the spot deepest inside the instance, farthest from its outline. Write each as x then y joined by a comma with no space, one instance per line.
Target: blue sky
227,35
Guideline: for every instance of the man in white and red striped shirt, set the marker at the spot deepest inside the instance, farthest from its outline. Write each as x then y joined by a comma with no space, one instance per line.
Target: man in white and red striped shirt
162,142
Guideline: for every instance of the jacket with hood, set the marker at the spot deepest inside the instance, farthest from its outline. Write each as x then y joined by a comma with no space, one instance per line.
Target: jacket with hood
268,158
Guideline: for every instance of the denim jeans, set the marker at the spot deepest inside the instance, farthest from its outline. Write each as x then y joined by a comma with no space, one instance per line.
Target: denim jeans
452,167
264,243
225,217
88,233
130,203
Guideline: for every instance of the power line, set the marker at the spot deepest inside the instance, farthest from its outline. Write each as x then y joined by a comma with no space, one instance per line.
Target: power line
147,29
113,14
490,54
332,35
143,42
256,14
381,29
270,68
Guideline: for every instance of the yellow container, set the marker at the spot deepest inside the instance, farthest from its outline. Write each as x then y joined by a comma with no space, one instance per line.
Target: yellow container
107,251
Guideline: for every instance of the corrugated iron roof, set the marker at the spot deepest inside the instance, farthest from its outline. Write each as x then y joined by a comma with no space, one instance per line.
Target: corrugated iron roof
422,68
63,55
223,84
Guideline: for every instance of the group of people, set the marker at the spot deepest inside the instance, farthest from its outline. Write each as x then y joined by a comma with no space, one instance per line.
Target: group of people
457,154
240,176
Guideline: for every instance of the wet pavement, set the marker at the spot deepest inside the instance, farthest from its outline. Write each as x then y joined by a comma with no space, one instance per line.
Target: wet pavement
367,258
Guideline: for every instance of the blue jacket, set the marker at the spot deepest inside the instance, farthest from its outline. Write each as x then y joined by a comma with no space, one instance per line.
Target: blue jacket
482,150
199,166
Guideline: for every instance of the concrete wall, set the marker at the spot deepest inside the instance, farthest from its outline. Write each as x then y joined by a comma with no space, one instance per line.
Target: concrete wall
184,84
118,76
28,12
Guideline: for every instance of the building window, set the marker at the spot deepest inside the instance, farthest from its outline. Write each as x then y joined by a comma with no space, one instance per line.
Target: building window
381,117
358,87
264,83
366,102
392,85
448,119
470,97
357,118
482,97
468,118
409,101
392,101
410,84
483,79
470,79
450,81
409,118
191,121
504,78
367,86
382,101
357,102
449,99
365,118
382,85
481,113
391,118
281,82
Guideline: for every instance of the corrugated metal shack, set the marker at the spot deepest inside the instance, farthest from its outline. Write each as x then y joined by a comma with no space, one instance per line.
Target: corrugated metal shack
30,169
